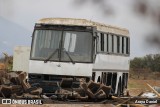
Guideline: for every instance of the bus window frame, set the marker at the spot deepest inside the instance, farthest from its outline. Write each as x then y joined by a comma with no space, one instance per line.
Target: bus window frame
92,30
120,53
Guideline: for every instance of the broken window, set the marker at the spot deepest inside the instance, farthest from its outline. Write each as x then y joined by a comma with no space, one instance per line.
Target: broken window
104,77
99,79
114,80
109,79
93,76
119,91
125,80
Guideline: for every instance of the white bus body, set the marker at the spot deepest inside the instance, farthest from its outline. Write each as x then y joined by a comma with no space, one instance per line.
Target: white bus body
78,48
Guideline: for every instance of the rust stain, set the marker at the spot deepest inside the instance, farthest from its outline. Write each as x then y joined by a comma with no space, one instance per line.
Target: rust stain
84,22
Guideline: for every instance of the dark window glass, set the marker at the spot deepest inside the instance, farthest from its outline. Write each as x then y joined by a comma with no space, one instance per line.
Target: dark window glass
127,45
122,44
102,42
112,43
109,79
118,44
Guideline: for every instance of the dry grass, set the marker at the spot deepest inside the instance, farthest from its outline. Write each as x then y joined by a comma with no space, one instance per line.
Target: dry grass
2,66
137,86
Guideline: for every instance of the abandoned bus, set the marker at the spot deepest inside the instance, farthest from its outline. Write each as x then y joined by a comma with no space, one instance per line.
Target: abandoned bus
79,48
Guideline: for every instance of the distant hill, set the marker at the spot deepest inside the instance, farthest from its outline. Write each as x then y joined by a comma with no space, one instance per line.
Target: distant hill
11,35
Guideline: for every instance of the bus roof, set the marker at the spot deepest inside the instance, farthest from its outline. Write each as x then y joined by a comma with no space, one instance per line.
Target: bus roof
83,22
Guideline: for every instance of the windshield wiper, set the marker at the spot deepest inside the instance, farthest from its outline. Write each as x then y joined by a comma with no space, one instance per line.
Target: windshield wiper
73,62
49,57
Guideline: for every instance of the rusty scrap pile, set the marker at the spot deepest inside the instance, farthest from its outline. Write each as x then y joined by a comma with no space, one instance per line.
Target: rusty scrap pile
14,85
86,92
95,90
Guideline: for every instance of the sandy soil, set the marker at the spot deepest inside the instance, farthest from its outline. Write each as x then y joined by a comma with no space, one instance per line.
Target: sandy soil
137,86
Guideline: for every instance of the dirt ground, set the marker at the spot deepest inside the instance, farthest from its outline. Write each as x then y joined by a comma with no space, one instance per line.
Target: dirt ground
136,86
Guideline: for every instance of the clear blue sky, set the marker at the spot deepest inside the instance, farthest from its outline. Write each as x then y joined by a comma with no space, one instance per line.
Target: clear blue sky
17,18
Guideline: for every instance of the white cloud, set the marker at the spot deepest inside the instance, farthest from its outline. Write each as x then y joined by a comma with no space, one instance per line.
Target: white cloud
5,42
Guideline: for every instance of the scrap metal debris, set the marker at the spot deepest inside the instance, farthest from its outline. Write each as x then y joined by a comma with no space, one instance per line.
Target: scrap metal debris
86,92
15,85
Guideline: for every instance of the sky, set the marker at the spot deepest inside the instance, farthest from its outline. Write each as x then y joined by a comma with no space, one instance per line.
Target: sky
17,19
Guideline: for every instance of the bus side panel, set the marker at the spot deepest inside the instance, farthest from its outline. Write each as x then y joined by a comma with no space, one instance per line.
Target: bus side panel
112,70
113,63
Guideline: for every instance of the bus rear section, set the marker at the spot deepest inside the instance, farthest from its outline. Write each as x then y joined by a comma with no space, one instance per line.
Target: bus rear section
111,65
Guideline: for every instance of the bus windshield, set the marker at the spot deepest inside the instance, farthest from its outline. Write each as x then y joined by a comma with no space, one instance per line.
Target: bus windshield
61,45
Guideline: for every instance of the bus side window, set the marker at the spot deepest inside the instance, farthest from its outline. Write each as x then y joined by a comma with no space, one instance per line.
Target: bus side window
125,51
99,42
102,42
127,45
118,44
115,43
110,43
122,45
105,43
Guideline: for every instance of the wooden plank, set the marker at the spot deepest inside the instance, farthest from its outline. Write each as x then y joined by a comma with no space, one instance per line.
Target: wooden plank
151,88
